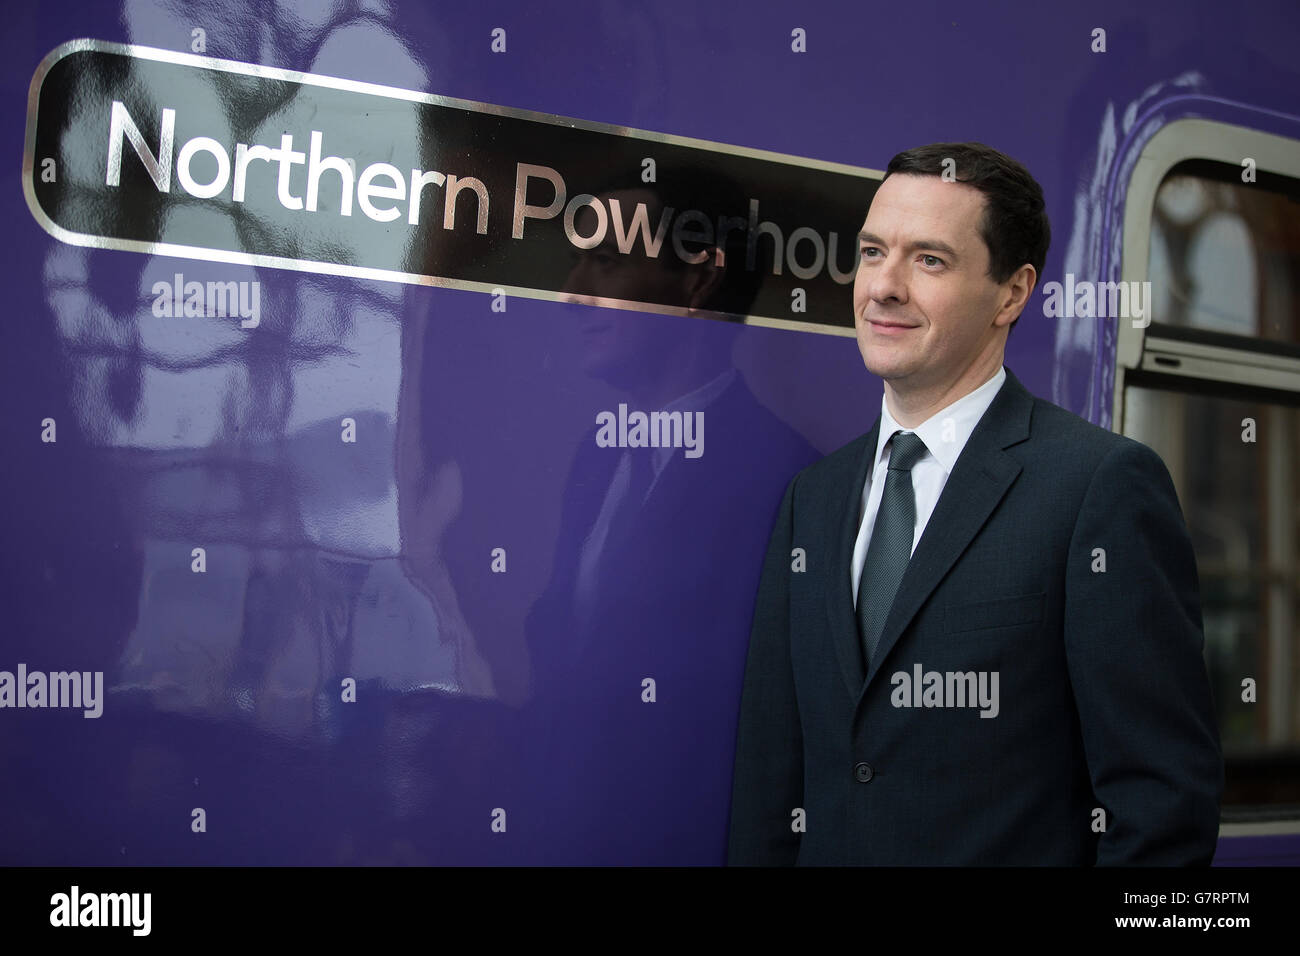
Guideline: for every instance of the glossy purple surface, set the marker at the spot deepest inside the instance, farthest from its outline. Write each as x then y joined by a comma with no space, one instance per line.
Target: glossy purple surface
373,560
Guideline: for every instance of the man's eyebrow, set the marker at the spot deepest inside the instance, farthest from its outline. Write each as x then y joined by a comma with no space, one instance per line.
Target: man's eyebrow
934,244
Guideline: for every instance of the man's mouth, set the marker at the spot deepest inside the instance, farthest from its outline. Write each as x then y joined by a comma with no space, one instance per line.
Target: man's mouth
889,326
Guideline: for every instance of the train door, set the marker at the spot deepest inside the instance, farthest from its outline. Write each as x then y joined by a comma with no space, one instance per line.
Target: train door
1212,383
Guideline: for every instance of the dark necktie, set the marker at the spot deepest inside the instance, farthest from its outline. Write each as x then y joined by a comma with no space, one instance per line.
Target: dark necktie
891,542
639,480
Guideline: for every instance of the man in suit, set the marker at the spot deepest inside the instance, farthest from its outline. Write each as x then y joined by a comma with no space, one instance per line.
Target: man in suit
977,638
650,563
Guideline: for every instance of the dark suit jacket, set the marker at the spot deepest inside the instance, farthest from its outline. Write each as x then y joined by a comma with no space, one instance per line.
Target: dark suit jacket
1104,699
615,780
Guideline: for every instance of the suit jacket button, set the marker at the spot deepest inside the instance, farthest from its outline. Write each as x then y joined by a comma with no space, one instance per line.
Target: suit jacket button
863,772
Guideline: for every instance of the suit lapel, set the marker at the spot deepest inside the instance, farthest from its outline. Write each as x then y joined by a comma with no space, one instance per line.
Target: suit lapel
979,480
842,529
674,483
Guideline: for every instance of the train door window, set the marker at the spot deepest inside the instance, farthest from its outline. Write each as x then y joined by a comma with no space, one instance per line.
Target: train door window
1213,385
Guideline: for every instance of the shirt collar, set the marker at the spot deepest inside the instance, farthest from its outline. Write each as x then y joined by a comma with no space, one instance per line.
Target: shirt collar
693,401
946,431
697,399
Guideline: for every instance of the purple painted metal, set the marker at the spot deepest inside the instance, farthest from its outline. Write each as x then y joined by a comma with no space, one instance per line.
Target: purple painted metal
375,563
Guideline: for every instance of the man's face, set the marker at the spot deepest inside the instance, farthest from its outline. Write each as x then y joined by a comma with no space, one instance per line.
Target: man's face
613,342
923,301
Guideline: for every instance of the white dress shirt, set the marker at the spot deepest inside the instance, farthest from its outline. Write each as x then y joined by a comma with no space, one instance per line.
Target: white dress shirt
945,434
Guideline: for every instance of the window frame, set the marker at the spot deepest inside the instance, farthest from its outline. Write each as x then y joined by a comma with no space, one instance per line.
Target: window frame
1146,348
1179,360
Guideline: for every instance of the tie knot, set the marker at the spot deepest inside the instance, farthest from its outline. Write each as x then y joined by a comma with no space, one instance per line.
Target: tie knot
907,451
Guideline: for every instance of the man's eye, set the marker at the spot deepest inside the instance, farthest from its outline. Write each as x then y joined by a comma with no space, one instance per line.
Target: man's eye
932,261
866,250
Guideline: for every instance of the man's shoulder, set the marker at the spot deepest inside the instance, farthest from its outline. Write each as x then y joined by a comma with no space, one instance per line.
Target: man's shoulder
1051,421
1057,438
832,470
1063,439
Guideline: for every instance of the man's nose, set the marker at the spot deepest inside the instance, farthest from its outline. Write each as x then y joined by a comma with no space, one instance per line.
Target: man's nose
574,283
576,290
887,279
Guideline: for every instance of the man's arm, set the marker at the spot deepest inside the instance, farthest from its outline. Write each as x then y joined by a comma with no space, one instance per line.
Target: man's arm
769,750
1133,643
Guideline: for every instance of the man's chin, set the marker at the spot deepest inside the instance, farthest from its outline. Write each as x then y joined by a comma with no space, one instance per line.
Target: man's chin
615,370
886,367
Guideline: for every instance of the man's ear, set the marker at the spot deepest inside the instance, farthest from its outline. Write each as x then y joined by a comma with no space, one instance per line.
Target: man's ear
1016,294
703,281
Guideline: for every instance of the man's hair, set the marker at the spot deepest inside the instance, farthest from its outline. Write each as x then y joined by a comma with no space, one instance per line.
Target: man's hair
1014,226
706,188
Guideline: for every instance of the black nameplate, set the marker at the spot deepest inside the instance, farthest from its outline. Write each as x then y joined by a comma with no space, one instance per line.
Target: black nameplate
167,153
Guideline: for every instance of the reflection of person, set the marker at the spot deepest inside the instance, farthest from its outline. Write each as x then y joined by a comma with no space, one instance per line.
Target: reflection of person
1027,687
652,545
